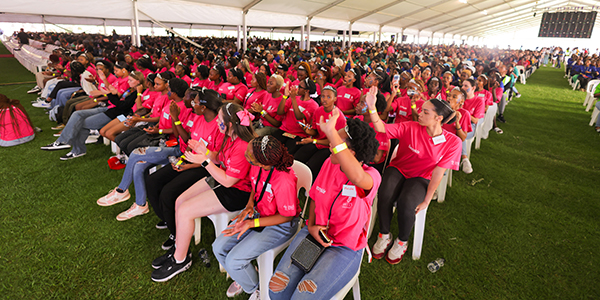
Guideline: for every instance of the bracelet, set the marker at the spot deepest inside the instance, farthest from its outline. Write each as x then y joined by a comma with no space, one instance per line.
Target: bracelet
160,131
263,112
314,141
207,152
205,163
256,223
95,100
339,148
459,128
139,94
414,106
177,122
373,111
104,95
53,74
285,97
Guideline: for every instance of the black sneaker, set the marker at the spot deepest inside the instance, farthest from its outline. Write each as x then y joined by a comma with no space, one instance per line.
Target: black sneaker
500,118
55,146
168,244
159,261
71,155
170,268
161,224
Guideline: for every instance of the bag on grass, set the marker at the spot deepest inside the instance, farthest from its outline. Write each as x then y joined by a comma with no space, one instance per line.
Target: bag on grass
15,126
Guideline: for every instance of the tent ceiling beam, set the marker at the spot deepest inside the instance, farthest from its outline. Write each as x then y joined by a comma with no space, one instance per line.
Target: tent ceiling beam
412,13
377,10
324,8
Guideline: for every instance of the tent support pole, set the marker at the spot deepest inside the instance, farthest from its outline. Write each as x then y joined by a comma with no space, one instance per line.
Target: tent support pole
138,41
302,47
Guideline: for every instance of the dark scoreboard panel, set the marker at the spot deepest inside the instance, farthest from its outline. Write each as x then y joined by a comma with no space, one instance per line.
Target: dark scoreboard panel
568,25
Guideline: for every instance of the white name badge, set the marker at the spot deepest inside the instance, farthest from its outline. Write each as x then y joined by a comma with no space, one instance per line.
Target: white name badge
301,109
439,139
190,123
349,190
166,115
347,96
231,87
204,142
146,97
402,113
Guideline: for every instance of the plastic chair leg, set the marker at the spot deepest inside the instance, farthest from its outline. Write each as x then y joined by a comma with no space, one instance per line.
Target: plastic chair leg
442,188
450,177
419,233
356,290
590,104
594,116
265,271
197,230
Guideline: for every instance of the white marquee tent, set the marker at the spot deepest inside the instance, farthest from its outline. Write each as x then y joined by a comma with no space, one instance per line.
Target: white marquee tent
470,20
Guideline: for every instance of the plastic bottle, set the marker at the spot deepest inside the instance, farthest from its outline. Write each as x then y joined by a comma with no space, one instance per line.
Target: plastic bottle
173,160
204,257
162,143
435,265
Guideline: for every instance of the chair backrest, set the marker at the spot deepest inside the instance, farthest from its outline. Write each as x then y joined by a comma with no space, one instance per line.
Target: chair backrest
394,153
591,87
304,181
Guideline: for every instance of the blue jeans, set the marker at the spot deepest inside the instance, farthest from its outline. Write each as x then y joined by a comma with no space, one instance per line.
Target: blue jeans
141,159
78,127
332,271
469,135
598,118
63,96
236,255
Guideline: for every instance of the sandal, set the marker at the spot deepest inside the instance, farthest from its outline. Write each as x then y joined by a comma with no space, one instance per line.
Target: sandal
498,130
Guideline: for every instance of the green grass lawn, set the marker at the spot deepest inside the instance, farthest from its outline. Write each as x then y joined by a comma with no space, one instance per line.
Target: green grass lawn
523,225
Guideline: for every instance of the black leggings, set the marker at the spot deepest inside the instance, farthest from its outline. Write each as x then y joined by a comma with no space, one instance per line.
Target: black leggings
165,185
61,85
407,193
313,157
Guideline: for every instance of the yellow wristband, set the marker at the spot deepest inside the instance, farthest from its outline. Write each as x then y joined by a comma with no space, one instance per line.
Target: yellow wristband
373,111
339,148
53,74
139,94
256,223
177,123
105,95
96,100
262,113
160,131
414,106
207,152
314,141
285,97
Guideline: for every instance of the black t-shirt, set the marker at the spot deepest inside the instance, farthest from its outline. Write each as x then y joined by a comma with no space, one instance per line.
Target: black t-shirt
23,38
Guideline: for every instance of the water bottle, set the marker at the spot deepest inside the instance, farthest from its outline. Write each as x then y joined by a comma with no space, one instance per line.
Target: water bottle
204,257
435,265
173,160
162,143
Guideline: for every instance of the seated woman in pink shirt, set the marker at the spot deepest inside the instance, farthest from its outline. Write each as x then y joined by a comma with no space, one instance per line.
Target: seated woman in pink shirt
348,95
269,219
462,119
342,196
217,76
424,153
230,191
476,107
201,79
268,121
235,88
257,91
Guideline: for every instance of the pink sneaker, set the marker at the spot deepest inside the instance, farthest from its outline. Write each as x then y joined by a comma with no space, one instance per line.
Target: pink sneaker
134,210
113,198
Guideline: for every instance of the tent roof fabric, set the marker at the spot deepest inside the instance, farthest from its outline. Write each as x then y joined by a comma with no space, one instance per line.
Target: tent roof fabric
481,18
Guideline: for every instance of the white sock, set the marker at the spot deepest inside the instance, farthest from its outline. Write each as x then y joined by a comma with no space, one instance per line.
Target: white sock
178,261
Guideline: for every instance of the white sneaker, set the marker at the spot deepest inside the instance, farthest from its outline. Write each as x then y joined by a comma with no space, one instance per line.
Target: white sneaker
234,290
71,155
91,139
34,90
55,146
255,295
133,211
466,166
43,104
397,251
113,197
382,244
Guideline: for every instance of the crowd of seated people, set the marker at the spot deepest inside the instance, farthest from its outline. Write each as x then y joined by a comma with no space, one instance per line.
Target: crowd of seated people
227,125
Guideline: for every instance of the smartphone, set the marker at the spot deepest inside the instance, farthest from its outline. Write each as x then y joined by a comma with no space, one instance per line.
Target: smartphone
324,236
121,118
303,125
396,78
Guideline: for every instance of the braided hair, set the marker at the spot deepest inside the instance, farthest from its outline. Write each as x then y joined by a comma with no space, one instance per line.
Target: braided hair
269,151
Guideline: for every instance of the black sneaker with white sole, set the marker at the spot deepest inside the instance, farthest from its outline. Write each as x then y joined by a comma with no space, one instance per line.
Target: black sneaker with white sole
71,155
168,244
159,261
55,146
171,268
161,224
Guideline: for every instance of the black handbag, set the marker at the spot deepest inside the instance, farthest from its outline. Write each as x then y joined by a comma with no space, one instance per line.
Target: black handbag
309,250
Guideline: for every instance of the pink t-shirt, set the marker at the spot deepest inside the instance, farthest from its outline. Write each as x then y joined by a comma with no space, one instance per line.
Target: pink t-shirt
280,195
487,97
475,106
418,155
347,98
200,83
465,122
338,83
146,72
112,79
351,211
234,162
165,117
122,85
211,85
187,79
148,98
207,131
498,92
158,105
270,105
289,123
248,77
254,96
238,91
341,123
402,107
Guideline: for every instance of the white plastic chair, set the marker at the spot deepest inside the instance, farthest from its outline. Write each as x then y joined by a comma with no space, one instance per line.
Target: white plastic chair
521,74
488,124
352,284
594,116
220,222
590,91
479,132
265,260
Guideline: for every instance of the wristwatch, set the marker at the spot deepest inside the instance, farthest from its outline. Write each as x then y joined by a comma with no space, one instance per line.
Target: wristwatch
205,163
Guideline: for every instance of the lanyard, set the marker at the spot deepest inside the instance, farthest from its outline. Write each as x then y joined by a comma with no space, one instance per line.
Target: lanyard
331,208
264,186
